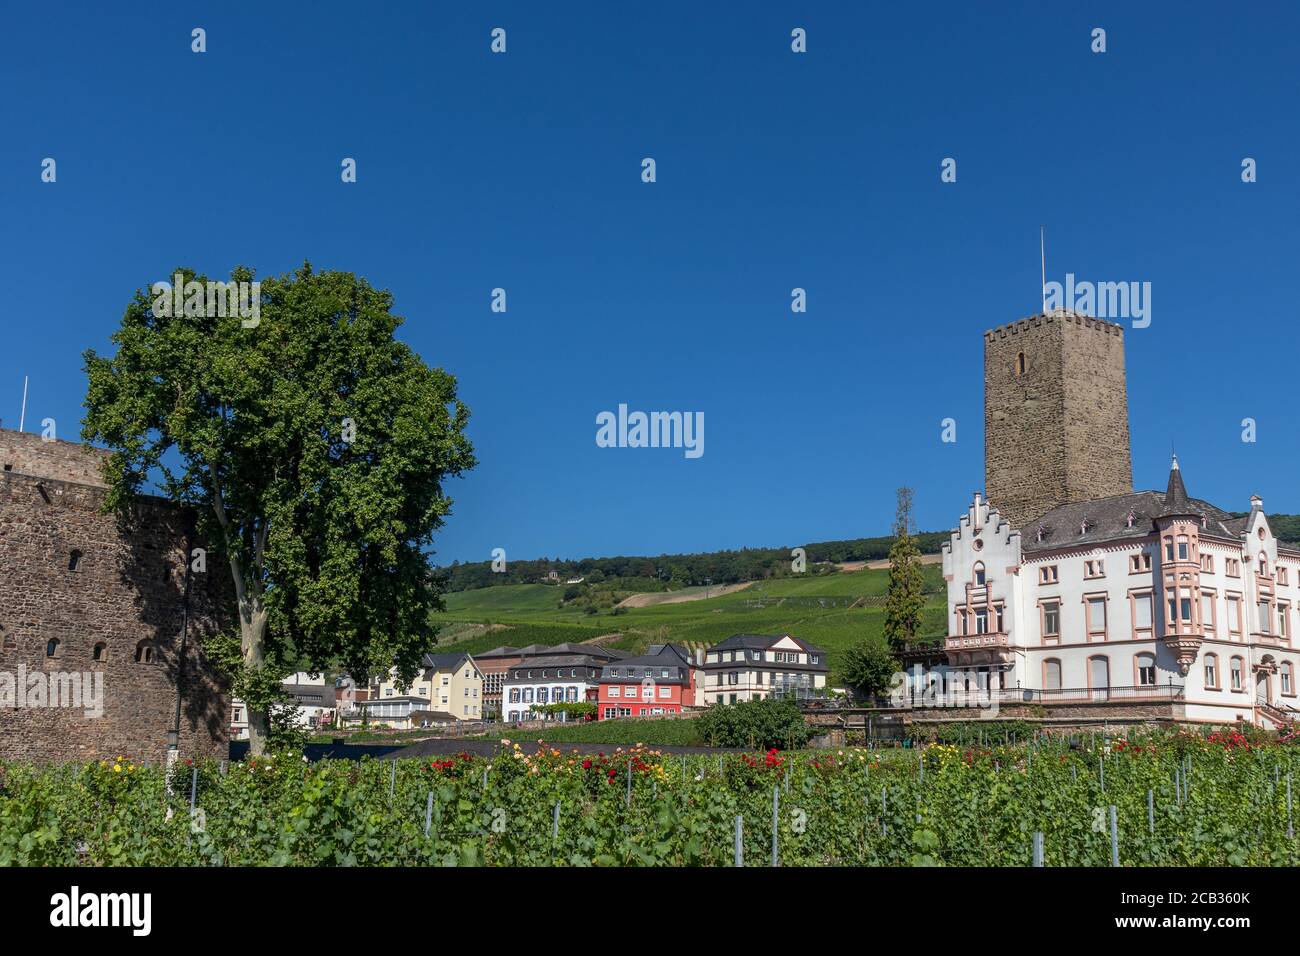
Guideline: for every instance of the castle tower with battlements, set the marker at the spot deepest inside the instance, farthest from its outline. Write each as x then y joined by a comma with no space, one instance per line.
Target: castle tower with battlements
1055,414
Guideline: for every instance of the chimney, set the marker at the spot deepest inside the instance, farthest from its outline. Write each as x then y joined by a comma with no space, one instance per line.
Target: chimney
1256,503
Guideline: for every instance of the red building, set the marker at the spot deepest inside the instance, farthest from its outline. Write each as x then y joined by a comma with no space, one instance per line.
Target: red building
662,681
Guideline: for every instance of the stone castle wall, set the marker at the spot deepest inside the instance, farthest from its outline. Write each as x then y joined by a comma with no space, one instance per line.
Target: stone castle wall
124,592
1057,431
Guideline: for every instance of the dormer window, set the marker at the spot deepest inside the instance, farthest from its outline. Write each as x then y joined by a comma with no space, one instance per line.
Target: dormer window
1083,526
1131,519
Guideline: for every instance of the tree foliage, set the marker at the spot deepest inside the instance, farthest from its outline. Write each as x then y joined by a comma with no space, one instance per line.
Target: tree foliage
754,723
869,668
905,600
313,447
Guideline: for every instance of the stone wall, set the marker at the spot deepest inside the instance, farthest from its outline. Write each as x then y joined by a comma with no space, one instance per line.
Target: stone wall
123,593
1056,431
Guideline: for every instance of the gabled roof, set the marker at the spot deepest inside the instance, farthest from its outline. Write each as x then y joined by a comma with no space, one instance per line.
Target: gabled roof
505,650
443,662
761,642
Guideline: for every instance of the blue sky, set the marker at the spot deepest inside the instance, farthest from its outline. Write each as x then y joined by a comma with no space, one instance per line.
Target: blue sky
775,171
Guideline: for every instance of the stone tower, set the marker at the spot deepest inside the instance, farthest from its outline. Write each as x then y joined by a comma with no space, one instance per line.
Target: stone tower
1055,414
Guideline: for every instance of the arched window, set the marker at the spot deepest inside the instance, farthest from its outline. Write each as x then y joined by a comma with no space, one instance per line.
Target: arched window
100,652
1212,670
1021,364
1237,668
52,647
74,560
144,653
1051,674
979,573
1145,665
1263,565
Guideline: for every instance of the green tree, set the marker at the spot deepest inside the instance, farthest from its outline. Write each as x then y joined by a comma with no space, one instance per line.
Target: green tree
869,668
313,447
905,598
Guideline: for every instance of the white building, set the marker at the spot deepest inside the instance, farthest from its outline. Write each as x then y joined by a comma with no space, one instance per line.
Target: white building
753,666
1140,597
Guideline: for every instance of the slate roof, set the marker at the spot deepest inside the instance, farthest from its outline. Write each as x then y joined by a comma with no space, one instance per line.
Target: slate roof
443,662
761,642
1107,519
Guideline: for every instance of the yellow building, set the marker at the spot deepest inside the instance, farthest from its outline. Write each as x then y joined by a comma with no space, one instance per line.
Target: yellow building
447,687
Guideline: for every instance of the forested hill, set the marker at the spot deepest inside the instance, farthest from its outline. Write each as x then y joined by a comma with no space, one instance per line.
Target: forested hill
680,570
716,567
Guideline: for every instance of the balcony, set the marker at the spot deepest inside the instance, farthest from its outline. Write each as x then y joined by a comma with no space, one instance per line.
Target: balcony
970,649
975,697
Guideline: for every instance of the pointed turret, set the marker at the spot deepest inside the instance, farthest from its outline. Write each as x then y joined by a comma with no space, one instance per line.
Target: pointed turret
1176,500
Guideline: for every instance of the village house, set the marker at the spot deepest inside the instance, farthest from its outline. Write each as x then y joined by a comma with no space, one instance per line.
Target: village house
662,681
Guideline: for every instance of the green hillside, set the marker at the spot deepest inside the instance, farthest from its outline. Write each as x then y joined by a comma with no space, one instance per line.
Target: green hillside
833,611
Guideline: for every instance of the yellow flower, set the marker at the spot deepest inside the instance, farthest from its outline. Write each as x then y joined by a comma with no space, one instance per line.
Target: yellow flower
117,768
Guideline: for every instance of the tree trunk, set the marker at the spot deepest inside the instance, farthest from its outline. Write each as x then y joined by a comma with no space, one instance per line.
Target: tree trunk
252,642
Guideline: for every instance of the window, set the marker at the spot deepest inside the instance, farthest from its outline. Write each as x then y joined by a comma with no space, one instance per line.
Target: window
1146,670
1052,619
1263,565
1051,674
1236,670
514,695
733,678
74,560
52,647
1097,617
1182,547
1142,615
1207,563
1047,575
1288,682
445,678
1207,611
1265,617
1094,569
528,695
542,695
1098,673
572,694
1234,614
1185,607
1021,363
100,652
1232,567
144,654
665,692
981,620
1281,575
1138,563
979,574
1169,549
1212,671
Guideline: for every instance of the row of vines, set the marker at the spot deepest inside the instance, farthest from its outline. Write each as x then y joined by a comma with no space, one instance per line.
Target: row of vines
1180,800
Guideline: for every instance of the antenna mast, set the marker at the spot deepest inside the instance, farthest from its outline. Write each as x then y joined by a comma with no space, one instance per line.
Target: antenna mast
1042,251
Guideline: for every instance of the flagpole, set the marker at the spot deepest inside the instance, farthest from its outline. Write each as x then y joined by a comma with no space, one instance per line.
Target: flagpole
22,417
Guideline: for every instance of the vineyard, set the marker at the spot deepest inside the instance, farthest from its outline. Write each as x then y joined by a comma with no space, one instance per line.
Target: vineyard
1178,799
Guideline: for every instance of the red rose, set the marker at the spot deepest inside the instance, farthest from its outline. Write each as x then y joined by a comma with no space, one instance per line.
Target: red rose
586,765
